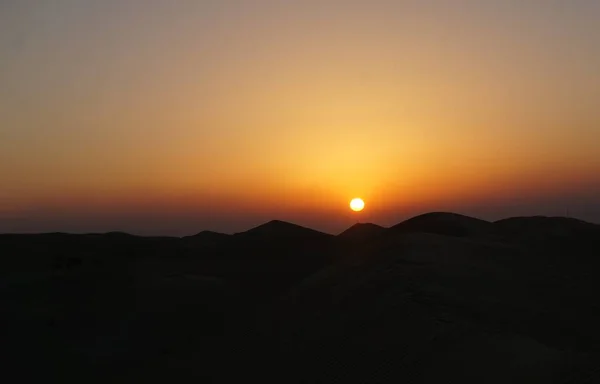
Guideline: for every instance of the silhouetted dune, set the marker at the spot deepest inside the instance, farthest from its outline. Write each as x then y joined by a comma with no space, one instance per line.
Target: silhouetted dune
438,298
114,234
361,232
547,226
350,244
208,235
281,230
205,239
275,254
424,307
444,223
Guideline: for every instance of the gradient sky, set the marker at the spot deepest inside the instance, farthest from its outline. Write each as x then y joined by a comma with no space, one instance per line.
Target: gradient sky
169,117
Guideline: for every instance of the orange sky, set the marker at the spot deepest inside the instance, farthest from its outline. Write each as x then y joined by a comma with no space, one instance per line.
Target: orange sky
219,114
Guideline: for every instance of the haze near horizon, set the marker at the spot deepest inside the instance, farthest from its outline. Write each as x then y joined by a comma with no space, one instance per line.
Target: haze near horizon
156,117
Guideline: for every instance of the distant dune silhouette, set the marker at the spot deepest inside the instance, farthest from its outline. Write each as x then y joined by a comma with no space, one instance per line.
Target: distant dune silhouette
445,223
361,231
205,239
547,226
277,229
438,298
209,236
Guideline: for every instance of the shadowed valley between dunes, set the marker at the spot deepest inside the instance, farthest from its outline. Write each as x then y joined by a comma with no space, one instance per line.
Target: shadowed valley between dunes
440,297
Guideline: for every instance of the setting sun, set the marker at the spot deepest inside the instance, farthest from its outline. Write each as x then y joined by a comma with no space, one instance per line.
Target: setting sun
357,205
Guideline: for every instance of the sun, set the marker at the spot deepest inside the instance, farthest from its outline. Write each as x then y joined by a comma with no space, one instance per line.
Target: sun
357,204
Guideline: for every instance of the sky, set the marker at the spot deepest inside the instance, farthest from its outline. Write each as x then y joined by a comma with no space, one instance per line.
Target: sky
171,117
